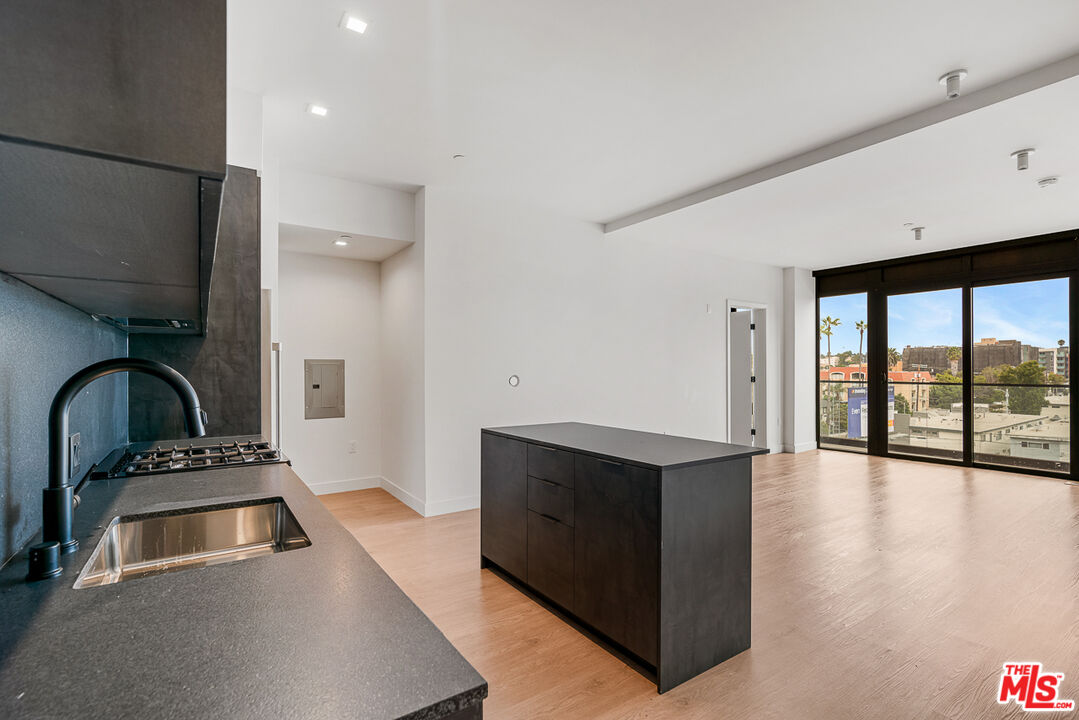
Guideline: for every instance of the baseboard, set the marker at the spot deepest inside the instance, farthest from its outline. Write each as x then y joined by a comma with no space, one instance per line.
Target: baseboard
800,447
403,495
336,486
443,507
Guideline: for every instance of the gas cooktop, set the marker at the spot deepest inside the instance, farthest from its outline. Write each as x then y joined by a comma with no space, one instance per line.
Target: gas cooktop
142,460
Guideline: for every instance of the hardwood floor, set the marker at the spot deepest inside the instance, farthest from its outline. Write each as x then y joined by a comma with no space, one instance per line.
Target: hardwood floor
881,589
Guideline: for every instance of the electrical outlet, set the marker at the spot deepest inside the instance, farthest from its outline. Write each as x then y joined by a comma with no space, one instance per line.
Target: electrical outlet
74,453
352,447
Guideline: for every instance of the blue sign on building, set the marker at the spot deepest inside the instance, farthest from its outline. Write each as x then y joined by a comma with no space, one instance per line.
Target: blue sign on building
858,411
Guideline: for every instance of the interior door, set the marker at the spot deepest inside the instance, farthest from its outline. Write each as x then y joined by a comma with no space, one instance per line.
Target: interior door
741,397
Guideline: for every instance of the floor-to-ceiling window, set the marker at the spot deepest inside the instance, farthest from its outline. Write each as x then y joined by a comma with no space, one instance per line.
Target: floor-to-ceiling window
1021,366
925,381
960,356
842,390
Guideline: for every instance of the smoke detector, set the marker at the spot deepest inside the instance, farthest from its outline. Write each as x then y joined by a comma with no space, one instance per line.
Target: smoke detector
1046,182
1022,158
917,233
950,80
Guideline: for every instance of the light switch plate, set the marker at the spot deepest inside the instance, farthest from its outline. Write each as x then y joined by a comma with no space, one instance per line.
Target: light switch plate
74,453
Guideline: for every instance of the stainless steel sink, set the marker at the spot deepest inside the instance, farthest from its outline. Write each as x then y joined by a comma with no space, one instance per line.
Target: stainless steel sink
135,546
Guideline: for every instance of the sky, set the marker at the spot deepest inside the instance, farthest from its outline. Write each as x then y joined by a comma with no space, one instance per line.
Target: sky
1034,312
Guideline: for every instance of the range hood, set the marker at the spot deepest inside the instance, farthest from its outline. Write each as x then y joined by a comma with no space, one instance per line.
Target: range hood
130,244
112,155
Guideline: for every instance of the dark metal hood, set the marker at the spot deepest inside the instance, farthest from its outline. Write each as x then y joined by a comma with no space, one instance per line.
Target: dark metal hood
122,241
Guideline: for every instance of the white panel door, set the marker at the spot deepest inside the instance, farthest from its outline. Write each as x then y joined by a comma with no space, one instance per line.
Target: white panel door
740,378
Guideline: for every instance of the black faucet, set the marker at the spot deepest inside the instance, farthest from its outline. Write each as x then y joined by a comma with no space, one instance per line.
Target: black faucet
58,505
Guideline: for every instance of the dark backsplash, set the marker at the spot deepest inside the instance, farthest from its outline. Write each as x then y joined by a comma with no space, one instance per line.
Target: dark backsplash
223,366
43,342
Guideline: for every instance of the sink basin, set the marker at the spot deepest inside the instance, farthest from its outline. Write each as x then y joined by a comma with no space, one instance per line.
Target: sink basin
135,546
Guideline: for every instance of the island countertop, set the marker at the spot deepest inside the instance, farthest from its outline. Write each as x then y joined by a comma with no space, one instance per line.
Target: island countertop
650,450
317,632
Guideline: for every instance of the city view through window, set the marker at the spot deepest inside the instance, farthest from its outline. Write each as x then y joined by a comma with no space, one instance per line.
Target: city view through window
1020,360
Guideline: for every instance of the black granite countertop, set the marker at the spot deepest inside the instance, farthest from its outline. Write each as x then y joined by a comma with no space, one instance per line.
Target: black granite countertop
317,632
651,450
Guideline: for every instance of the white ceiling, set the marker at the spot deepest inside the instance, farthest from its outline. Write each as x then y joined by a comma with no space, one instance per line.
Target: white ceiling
597,109
955,178
317,241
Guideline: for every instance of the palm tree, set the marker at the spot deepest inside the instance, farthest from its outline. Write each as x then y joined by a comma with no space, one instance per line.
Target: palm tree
826,325
955,357
893,358
1062,343
861,326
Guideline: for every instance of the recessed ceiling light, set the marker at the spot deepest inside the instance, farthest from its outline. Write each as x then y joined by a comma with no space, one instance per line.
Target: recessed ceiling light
319,110
1046,182
353,23
342,241
458,156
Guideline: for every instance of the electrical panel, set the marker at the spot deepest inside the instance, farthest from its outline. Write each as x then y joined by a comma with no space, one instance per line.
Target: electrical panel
324,389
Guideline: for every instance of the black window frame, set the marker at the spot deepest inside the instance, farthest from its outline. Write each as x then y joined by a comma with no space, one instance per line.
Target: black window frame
1040,257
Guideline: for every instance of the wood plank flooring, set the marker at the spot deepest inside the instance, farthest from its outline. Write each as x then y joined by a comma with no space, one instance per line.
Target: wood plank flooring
881,589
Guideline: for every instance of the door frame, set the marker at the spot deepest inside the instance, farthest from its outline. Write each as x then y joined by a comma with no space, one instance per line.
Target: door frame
762,384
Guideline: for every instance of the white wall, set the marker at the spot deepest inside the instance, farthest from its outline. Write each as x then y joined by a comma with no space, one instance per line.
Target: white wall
403,383
319,201
599,329
799,360
243,129
330,308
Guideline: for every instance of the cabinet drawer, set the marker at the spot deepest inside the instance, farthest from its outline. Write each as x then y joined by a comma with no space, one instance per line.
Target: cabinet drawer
550,559
550,464
547,498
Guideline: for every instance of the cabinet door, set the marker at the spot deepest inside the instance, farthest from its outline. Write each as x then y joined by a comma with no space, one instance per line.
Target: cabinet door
504,504
616,552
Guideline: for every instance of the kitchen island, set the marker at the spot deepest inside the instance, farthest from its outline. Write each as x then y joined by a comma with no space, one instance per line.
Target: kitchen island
641,539
316,632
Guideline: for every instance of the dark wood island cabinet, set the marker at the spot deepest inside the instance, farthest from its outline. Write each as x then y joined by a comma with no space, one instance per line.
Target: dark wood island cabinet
642,538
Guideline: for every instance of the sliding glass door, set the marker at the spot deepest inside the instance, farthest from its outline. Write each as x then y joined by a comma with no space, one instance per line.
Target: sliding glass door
843,397
1021,370
978,373
925,373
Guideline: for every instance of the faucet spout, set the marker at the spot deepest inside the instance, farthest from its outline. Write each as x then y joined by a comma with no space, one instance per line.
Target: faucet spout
58,507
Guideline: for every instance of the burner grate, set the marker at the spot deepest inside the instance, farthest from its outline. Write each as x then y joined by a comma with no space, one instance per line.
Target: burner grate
191,457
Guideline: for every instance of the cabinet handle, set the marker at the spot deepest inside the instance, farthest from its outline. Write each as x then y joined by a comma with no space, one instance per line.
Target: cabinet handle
611,463
548,482
548,518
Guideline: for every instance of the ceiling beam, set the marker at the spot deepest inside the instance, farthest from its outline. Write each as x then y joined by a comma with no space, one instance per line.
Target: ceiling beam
976,100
